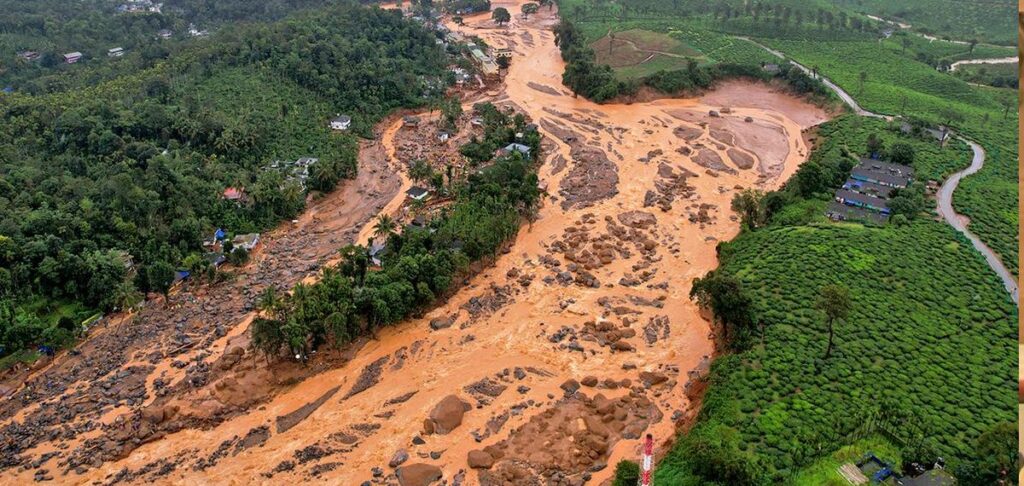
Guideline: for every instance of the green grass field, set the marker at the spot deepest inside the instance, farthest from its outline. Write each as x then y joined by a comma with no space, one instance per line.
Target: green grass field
637,53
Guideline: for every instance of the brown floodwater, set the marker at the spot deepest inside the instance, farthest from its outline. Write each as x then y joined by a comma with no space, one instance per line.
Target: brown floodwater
511,329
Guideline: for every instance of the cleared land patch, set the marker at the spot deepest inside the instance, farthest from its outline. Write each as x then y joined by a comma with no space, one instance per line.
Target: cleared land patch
651,50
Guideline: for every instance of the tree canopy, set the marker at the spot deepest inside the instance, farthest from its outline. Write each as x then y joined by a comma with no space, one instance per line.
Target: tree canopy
121,181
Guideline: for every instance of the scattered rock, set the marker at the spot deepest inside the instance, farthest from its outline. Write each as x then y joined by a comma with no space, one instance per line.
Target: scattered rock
480,460
651,378
401,455
446,416
442,322
570,386
418,474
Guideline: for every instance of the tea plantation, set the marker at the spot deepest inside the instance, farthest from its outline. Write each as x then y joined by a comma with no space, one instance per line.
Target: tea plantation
898,83
931,332
989,21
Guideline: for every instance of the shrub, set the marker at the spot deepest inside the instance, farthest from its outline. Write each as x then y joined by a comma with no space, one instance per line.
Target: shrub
627,473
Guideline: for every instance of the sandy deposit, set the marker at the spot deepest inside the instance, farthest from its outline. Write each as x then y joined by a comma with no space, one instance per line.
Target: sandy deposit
573,344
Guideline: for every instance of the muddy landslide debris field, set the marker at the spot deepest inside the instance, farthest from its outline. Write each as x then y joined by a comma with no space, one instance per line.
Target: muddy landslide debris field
547,367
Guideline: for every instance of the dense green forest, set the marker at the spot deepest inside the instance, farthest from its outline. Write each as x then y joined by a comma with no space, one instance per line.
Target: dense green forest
904,371
136,165
52,28
418,264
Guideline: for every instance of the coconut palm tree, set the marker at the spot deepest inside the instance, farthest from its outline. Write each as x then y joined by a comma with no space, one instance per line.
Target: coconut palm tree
268,301
385,226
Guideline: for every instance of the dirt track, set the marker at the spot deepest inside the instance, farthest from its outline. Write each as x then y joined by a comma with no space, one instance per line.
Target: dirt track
585,321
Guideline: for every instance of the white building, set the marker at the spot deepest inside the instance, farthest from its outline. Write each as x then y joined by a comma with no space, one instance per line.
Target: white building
341,122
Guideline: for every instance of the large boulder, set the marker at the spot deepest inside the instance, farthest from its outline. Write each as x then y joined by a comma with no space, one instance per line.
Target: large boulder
156,415
418,474
446,416
570,386
442,322
651,378
480,459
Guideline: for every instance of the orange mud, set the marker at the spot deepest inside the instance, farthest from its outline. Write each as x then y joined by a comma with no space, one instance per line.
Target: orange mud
508,313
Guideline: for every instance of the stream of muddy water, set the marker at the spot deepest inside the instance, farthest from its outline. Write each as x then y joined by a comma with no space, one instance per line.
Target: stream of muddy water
595,290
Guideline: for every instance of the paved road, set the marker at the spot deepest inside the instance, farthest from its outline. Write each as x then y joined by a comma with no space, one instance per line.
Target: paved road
945,197
1003,60
945,194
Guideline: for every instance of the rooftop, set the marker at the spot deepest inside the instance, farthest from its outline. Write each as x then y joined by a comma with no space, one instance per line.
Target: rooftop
869,188
940,134
883,172
233,193
417,192
858,199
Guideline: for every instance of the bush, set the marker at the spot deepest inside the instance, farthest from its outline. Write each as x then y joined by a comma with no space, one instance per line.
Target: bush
627,473
238,257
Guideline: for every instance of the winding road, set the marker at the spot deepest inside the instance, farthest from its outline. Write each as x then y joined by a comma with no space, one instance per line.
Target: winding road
1002,60
958,222
945,194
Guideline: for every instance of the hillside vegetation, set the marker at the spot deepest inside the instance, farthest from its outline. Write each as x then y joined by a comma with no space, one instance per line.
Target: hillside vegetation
899,84
420,264
989,20
137,164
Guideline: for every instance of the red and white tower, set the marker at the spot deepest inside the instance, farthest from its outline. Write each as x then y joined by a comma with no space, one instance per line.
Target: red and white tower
647,463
